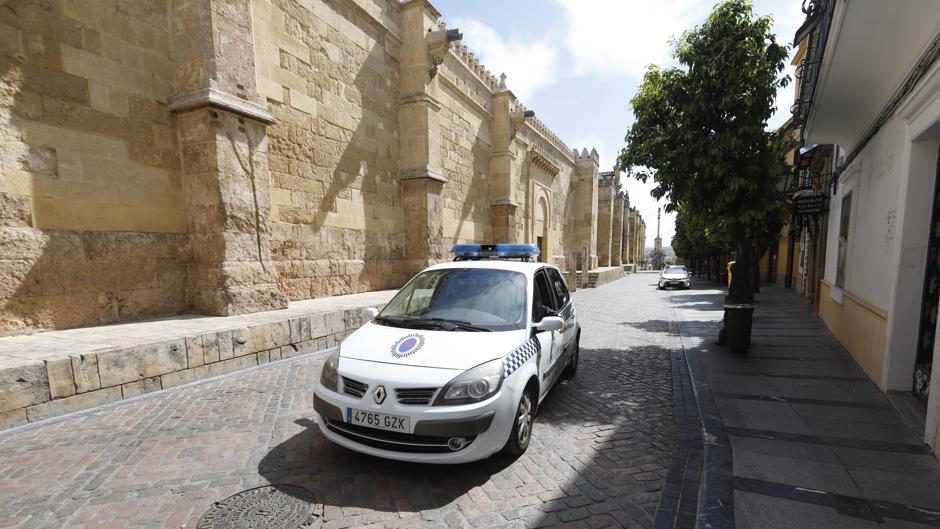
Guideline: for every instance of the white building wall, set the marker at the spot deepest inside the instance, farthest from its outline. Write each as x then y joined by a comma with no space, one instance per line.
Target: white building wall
873,179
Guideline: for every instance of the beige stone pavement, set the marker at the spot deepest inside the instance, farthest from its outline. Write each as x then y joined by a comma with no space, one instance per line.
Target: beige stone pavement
52,373
17,350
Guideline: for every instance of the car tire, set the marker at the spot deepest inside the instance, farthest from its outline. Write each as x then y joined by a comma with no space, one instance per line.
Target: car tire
522,422
572,366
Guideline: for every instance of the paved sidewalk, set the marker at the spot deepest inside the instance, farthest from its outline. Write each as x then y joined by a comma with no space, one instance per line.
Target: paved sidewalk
815,443
51,373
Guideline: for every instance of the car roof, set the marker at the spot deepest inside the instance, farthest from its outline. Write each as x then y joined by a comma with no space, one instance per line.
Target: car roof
526,267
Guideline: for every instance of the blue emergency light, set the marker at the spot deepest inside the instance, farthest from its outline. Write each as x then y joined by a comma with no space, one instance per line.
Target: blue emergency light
465,252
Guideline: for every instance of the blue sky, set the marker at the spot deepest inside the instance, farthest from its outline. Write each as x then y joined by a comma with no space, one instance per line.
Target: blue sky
578,63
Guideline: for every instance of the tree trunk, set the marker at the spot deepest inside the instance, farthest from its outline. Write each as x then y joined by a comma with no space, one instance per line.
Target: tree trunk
742,284
772,262
791,241
739,303
756,276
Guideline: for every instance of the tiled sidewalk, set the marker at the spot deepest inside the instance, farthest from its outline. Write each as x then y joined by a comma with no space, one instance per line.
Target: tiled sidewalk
52,373
815,443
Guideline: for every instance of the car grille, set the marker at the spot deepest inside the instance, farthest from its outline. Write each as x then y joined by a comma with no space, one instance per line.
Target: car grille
392,441
415,396
354,387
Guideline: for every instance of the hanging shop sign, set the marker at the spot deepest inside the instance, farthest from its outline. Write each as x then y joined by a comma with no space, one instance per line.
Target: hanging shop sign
810,204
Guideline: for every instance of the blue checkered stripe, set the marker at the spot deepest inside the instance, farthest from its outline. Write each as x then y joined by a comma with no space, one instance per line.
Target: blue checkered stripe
520,355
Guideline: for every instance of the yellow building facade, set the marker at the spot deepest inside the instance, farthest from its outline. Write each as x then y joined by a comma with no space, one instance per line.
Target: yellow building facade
879,287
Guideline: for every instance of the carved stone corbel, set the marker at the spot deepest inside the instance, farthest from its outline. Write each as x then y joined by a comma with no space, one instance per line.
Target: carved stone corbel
438,43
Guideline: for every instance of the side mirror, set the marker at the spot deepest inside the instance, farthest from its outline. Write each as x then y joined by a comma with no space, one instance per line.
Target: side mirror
550,323
371,312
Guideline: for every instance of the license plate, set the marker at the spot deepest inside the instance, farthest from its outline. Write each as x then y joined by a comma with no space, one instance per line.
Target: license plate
382,421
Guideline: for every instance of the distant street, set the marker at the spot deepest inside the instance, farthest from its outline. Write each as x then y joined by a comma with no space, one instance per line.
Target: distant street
601,447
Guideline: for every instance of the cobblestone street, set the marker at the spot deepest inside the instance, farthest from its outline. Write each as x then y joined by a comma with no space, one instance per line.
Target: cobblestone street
599,455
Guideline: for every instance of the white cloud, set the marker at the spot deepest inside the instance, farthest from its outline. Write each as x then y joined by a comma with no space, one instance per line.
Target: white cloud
530,64
619,38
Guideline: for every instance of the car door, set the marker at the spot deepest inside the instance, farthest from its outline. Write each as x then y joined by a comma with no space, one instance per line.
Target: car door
543,305
565,309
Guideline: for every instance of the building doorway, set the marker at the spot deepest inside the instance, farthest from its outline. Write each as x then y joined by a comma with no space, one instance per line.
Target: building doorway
930,301
541,228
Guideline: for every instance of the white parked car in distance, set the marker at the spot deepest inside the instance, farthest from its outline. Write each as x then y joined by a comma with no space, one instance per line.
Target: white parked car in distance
674,276
454,367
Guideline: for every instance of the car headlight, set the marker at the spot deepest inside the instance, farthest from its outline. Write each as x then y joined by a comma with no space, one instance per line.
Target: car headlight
328,375
473,385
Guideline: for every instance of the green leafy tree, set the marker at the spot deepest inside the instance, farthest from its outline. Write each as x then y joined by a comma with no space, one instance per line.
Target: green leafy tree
696,241
700,132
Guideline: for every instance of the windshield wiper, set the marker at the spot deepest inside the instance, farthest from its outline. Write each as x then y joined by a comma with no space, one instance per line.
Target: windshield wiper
393,320
457,324
438,323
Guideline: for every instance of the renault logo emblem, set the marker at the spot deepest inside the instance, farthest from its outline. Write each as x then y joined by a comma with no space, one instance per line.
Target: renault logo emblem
379,394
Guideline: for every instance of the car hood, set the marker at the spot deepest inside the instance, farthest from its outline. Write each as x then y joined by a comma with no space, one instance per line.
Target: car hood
675,276
428,348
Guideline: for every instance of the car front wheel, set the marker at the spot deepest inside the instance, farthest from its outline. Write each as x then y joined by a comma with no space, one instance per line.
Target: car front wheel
572,366
521,432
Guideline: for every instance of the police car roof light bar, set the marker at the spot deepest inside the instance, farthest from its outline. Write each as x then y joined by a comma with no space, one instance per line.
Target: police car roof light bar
468,252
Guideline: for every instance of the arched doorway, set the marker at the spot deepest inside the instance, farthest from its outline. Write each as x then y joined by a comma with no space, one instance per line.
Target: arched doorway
541,227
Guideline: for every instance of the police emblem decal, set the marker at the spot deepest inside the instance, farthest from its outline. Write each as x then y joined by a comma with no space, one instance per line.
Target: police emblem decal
407,346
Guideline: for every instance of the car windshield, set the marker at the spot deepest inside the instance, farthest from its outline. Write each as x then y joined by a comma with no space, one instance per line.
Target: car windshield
674,270
459,299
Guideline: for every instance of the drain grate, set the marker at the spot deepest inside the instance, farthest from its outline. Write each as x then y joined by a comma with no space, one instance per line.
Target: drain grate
269,507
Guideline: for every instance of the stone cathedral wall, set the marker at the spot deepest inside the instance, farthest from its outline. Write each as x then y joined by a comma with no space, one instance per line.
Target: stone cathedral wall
465,128
92,217
328,71
121,198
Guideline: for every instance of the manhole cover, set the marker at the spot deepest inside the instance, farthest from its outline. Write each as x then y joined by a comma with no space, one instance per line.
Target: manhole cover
271,507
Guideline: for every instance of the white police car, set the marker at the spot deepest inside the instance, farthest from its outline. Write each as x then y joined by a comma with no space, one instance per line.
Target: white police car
454,367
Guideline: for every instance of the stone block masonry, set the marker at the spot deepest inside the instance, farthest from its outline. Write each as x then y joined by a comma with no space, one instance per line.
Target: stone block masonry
58,372
226,157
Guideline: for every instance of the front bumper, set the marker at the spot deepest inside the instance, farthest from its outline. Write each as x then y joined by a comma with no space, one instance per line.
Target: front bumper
484,428
682,283
460,427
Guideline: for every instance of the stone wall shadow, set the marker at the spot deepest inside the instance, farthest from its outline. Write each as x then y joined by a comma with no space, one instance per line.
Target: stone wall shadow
480,154
363,165
63,278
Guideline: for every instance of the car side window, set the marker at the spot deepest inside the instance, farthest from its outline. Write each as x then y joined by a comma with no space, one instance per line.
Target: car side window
561,289
542,301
